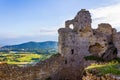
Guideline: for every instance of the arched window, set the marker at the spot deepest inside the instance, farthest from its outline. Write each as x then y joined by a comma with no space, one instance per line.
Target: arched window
71,26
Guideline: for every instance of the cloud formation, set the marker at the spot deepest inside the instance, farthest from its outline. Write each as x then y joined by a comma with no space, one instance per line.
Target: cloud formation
46,31
109,14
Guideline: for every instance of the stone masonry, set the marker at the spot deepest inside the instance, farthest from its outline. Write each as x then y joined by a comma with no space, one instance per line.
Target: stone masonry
83,40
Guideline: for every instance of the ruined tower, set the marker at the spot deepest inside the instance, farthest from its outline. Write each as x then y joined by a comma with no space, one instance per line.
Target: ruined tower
81,21
72,40
82,40
73,43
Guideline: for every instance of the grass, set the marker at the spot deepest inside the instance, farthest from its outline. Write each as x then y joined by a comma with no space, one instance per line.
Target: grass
112,67
18,63
29,58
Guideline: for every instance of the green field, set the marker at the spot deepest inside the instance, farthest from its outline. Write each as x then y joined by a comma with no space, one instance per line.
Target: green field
102,67
22,58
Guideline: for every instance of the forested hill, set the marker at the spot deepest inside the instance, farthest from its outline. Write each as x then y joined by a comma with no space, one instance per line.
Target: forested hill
31,46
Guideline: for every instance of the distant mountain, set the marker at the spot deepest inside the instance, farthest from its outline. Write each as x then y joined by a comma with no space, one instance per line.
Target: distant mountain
32,46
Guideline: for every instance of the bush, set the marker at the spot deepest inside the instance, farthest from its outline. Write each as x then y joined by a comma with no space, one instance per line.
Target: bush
91,57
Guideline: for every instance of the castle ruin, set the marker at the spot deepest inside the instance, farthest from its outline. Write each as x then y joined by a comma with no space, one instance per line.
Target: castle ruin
74,44
82,40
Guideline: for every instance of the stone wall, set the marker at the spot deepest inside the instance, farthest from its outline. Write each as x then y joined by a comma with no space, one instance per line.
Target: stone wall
11,72
40,71
116,39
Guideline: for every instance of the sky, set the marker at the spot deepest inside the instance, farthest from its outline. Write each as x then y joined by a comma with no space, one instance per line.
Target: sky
38,20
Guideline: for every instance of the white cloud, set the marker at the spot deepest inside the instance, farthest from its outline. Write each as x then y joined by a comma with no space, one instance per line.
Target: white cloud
109,14
46,31
52,31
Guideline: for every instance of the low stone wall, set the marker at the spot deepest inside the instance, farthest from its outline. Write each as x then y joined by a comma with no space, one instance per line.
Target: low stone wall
47,68
11,72
40,71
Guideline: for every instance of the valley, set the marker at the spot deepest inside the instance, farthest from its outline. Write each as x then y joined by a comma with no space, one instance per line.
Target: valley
22,59
28,53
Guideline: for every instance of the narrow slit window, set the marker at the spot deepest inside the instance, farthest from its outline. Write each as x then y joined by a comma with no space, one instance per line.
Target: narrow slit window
72,51
65,61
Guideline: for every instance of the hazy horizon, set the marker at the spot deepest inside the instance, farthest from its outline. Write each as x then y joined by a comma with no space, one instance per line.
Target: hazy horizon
34,20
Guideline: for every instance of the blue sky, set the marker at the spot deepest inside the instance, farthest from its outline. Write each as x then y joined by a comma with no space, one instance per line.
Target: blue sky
38,20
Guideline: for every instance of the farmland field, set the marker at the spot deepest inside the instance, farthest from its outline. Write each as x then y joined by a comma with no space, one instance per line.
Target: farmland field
22,58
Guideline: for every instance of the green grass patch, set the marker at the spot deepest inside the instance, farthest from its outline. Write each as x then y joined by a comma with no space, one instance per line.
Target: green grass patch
102,67
112,67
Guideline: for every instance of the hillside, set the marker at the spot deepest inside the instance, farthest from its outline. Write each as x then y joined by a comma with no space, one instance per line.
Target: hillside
32,47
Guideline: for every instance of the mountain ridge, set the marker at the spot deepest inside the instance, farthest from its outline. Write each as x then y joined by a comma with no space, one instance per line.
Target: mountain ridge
31,45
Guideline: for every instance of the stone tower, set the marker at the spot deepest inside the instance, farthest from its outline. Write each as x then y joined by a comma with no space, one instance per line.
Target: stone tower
72,40
73,43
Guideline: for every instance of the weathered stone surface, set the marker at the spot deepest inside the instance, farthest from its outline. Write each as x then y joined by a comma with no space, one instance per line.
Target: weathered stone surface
116,41
105,28
74,45
101,43
68,73
81,21
110,53
95,41
92,76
